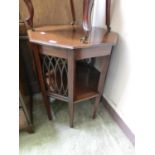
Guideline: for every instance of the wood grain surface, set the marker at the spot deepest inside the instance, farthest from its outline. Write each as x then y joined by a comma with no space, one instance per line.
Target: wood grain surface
68,36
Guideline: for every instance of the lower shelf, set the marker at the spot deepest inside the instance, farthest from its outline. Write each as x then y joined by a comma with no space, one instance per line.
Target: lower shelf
86,83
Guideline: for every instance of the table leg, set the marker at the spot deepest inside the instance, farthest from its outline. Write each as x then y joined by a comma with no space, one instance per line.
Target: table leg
40,78
103,73
71,87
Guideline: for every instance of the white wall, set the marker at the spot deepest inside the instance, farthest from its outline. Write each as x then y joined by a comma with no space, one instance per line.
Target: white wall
130,85
118,86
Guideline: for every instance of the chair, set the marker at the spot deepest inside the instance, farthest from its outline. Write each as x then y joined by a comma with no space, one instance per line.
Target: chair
65,46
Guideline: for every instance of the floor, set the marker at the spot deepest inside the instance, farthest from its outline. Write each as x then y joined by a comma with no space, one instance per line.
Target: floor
101,136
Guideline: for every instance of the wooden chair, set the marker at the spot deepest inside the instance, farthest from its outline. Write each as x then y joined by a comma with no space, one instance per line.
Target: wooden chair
64,45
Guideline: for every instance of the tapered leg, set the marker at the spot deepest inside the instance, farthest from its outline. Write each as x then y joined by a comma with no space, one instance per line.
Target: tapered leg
71,114
71,83
97,101
103,72
40,78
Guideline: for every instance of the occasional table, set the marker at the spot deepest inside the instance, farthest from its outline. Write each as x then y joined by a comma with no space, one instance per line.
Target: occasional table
65,64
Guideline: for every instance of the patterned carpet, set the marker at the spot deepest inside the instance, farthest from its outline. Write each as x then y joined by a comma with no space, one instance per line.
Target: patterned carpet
101,136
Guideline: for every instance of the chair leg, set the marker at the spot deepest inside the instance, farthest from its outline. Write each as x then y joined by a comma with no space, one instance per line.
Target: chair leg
71,114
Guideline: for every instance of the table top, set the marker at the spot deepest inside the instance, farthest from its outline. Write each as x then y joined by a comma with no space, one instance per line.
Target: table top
69,36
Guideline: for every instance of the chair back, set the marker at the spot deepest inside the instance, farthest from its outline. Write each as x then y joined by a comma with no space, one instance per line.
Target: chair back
52,12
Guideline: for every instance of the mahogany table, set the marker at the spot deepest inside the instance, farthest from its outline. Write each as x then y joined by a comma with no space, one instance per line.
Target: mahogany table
64,63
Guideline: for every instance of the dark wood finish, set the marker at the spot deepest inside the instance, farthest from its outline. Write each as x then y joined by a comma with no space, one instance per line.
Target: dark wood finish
73,12
51,12
41,80
85,84
25,100
84,81
25,120
71,84
108,4
55,74
58,46
68,37
87,9
22,28
79,53
26,57
103,73
51,51
89,52
29,19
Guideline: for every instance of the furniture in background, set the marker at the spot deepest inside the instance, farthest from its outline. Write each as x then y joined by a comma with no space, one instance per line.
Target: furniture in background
65,48
25,100
25,122
26,52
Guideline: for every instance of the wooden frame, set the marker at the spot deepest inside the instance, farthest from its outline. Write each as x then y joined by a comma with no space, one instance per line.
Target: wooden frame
83,81
87,10
74,94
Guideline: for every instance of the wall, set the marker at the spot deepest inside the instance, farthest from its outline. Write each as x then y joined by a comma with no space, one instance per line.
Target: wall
119,83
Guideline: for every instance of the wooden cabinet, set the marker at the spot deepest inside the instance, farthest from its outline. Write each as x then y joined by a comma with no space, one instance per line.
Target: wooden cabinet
25,100
63,67
63,50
